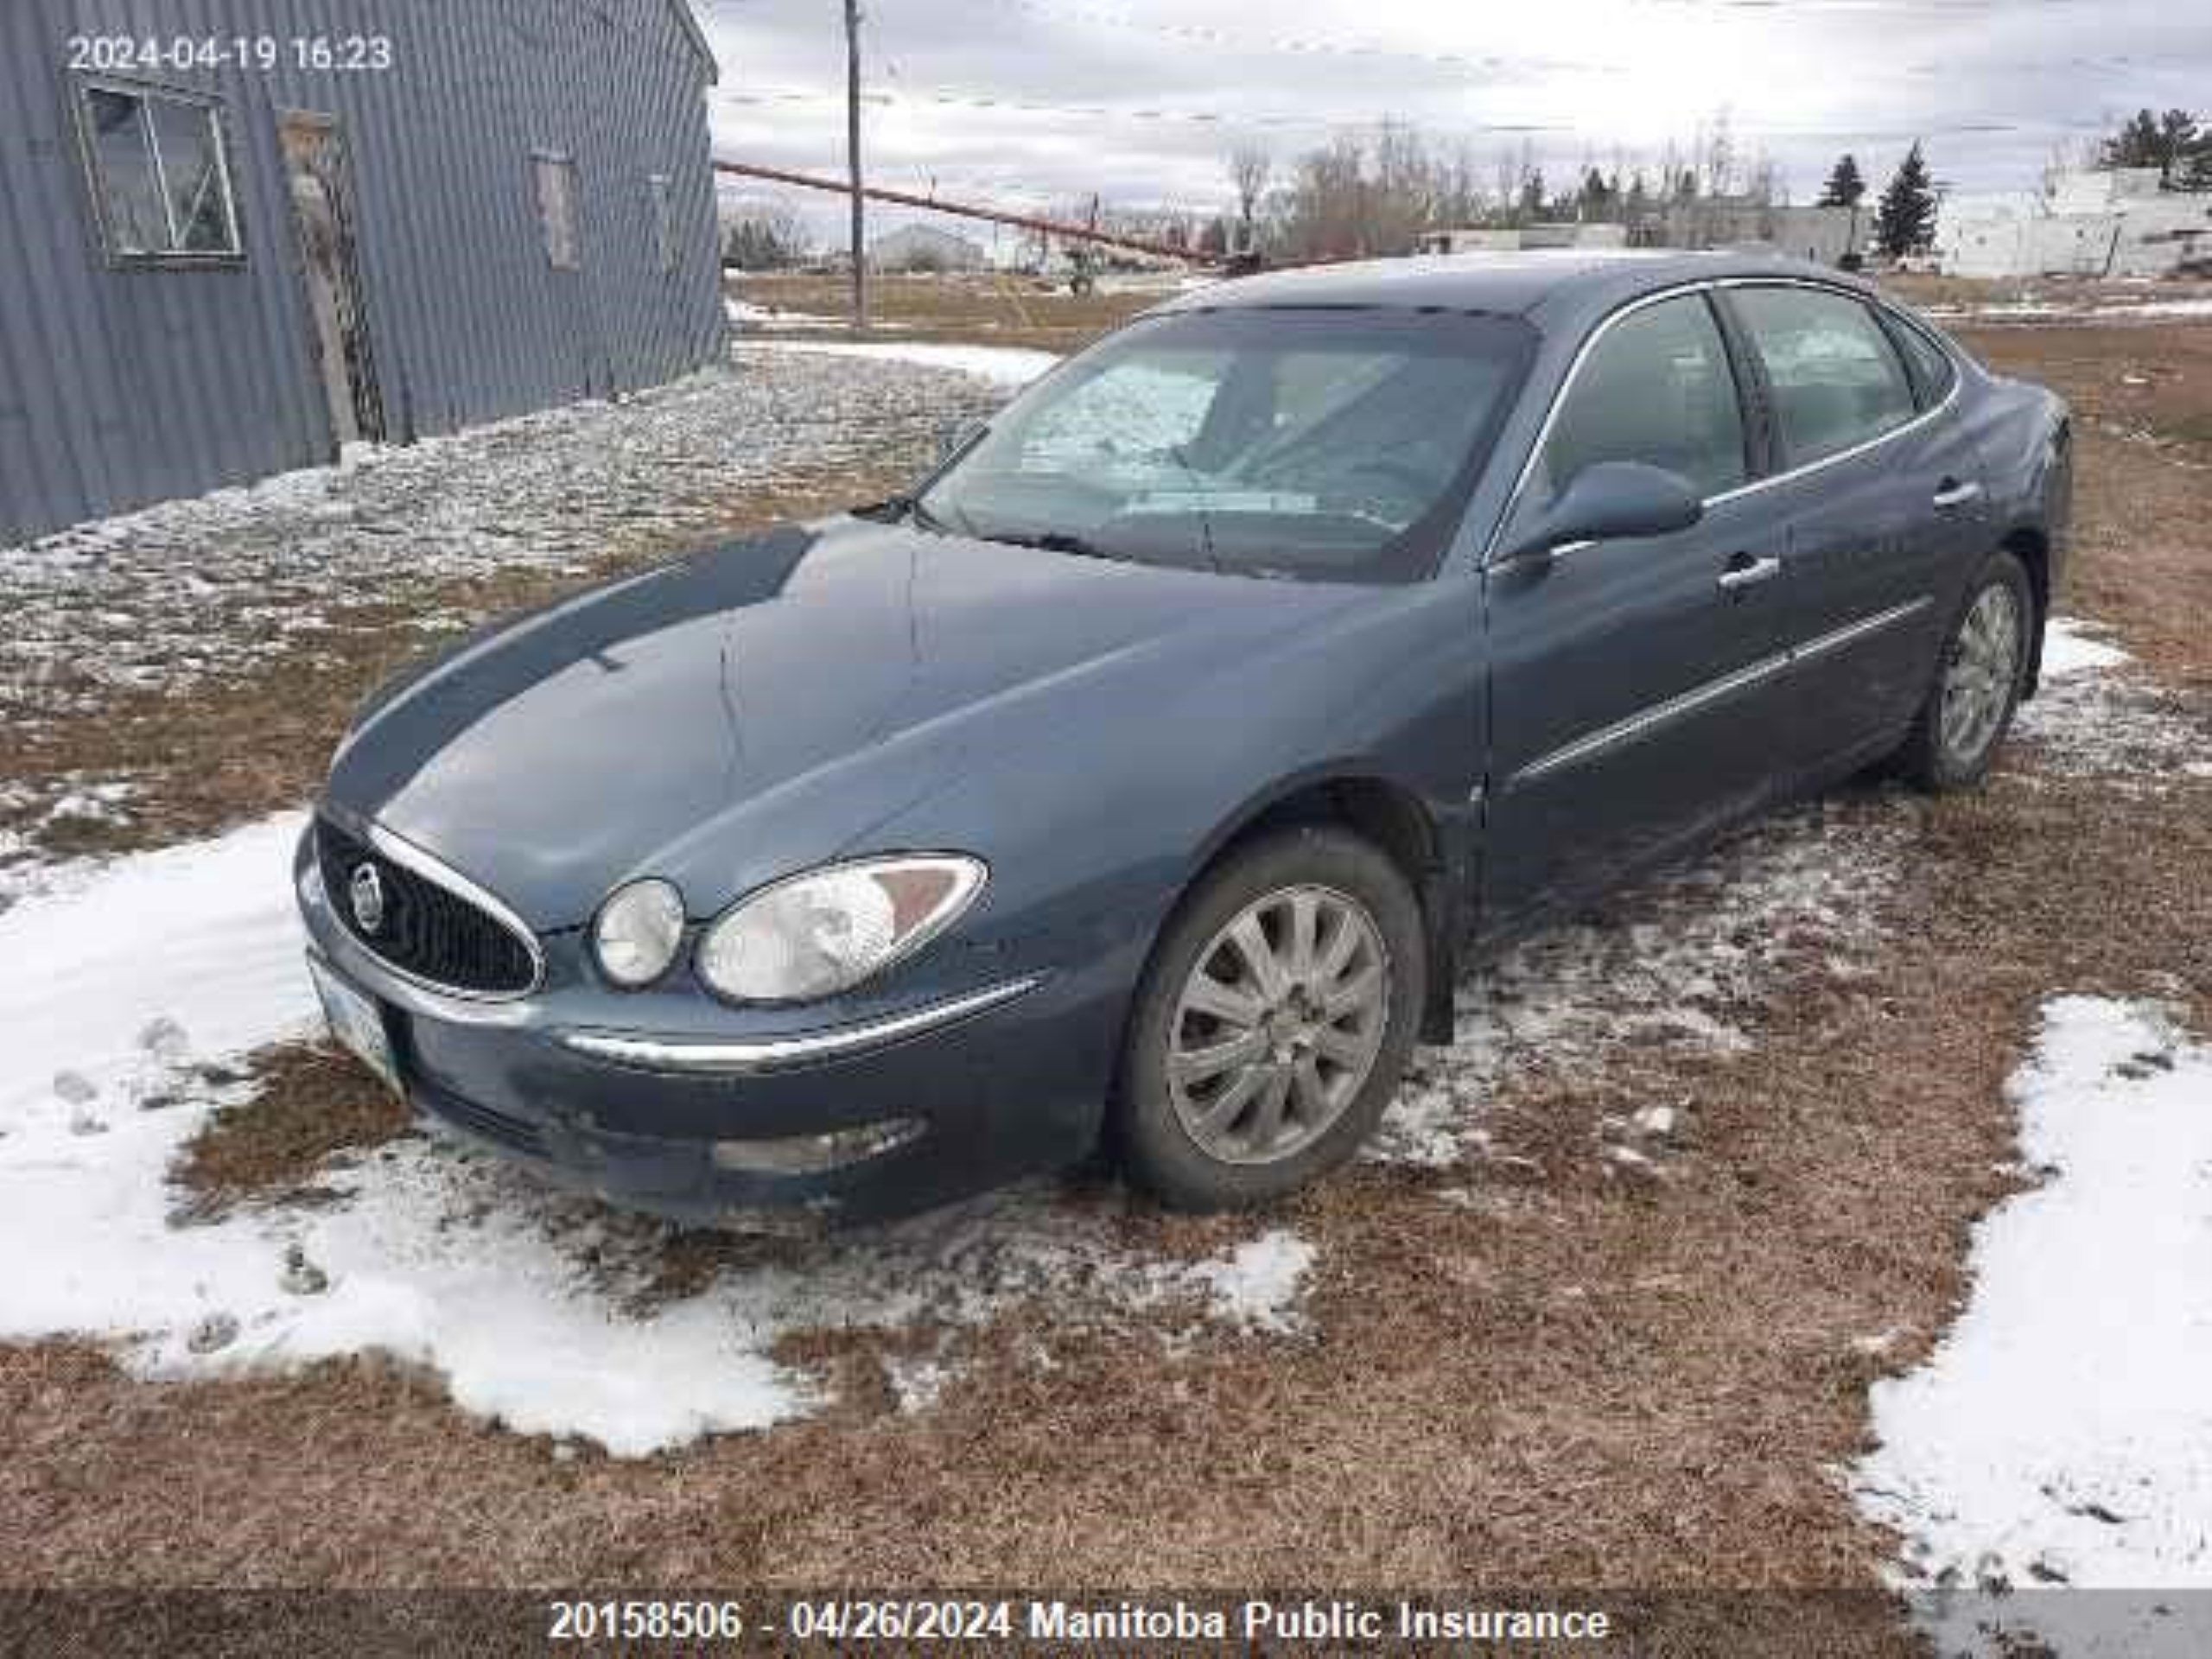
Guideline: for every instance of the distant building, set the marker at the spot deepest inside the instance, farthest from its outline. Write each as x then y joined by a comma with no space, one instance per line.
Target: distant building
2098,222
1478,239
271,229
924,248
1821,235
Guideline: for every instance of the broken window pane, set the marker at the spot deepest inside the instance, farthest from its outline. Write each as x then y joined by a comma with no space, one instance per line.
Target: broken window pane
158,169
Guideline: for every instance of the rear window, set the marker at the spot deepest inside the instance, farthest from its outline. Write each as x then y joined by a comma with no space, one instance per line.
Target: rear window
1837,380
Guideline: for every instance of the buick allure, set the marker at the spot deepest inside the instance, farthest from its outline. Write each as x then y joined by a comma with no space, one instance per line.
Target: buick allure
1146,776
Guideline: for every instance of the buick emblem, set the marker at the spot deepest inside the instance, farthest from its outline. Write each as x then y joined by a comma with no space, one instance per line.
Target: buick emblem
366,891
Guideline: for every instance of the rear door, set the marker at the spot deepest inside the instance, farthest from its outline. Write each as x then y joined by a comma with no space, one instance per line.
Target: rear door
1637,694
1882,494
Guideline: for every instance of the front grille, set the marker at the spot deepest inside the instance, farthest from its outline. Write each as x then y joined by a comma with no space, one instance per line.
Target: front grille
426,930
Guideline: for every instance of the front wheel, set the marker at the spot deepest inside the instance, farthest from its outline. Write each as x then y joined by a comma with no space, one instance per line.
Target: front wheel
1273,1024
1979,679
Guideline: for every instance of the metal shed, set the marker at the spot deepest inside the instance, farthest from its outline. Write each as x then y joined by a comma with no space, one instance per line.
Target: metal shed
236,234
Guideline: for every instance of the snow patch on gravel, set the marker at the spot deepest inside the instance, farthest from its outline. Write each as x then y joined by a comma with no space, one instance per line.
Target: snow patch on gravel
2063,1430
1002,365
541,1311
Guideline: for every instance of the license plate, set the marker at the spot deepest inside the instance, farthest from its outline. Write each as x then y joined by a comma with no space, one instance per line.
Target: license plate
357,1022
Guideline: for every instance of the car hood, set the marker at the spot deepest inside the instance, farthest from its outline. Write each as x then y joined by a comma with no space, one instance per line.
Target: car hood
762,704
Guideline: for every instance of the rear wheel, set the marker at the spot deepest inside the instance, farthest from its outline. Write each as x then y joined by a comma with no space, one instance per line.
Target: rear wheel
1273,1023
1979,679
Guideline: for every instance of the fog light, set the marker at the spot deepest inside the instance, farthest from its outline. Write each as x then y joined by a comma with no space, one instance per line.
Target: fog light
812,1155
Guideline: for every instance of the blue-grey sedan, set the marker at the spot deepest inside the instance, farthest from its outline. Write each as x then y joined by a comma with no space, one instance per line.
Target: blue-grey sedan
1145,776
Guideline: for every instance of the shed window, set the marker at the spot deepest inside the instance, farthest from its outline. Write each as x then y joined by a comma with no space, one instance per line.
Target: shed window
158,172
557,208
663,220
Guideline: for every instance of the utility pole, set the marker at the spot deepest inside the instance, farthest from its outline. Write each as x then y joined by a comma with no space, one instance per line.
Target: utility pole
853,158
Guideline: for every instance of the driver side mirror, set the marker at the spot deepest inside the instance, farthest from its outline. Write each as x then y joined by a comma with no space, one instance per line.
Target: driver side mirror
1614,500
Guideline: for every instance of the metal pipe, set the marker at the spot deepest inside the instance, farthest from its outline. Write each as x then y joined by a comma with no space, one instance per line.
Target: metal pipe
961,210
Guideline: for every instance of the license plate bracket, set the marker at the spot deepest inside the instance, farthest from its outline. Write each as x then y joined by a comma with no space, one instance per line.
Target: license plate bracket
358,1022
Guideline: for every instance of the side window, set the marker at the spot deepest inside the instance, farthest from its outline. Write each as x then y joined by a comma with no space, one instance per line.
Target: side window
159,174
1837,380
1932,368
1655,388
556,177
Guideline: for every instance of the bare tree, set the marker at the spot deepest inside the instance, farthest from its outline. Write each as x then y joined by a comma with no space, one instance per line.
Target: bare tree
763,236
1250,168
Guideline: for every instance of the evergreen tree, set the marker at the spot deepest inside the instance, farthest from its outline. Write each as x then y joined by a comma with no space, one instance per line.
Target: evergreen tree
1846,184
1905,221
2168,142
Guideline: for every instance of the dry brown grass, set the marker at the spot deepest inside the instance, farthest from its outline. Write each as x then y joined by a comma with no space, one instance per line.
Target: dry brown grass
310,1101
993,310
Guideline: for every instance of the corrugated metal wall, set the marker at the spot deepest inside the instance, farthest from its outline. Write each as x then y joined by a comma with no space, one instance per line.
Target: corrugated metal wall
124,385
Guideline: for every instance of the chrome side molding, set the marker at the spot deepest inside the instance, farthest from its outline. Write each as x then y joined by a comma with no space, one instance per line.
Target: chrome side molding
1647,720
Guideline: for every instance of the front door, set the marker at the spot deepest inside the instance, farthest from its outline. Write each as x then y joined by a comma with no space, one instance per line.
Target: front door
322,216
1637,696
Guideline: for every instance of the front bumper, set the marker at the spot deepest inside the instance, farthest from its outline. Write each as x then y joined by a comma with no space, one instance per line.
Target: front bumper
988,1082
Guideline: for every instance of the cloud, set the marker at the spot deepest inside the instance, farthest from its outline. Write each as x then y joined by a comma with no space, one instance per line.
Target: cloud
1042,102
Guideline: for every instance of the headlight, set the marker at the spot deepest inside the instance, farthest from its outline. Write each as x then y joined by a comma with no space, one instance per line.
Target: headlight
637,932
817,934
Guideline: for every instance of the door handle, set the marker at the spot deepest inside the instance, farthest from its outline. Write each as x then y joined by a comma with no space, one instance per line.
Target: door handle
1952,493
1744,572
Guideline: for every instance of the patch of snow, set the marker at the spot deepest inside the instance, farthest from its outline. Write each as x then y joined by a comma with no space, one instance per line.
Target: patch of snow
1259,1286
2068,1412
2191,308
1002,365
2087,721
745,314
2070,647
539,1310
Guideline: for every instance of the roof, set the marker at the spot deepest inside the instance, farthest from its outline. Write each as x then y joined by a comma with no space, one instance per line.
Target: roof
927,233
1512,284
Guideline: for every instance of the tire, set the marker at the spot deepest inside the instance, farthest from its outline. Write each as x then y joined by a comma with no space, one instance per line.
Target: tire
1184,1133
1946,751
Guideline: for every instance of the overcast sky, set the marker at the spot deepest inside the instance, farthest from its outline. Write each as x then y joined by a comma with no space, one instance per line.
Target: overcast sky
1038,102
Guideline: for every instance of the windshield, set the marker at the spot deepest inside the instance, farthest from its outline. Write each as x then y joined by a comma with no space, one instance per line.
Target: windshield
1327,445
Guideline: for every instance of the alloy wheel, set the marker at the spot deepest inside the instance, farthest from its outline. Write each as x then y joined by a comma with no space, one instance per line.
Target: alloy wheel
1983,672
1278,1025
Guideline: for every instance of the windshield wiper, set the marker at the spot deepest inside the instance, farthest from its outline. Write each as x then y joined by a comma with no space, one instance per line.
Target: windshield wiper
894,508
1206,520
1061,541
